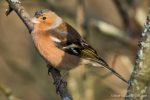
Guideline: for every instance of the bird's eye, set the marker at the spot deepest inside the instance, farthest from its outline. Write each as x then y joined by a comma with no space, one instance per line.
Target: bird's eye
44,18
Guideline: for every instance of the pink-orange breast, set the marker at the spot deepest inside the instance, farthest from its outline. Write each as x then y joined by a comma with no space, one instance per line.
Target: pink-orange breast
53,55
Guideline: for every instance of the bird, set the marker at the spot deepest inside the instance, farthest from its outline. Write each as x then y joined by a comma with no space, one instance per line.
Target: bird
61,46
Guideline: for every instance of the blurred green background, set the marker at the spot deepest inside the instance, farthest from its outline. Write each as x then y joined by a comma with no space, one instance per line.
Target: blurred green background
112,27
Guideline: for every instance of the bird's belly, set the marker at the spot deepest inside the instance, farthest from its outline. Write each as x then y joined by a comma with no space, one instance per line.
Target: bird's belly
57,57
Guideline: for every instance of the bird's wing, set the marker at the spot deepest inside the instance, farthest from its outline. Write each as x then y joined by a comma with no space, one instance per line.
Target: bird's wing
72,43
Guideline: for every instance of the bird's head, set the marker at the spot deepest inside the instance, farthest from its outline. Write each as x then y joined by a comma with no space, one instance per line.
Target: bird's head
46,19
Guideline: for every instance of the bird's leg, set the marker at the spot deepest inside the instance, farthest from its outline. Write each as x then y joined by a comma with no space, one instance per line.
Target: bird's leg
59,80
51,68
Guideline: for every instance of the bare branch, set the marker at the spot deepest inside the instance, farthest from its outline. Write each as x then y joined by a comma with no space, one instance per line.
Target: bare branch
59,83
122,7
21,12
140,78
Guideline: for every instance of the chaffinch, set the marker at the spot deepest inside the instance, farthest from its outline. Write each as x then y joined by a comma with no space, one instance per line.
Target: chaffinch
61,45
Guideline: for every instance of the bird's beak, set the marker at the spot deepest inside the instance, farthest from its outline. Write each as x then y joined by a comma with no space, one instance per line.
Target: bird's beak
34,20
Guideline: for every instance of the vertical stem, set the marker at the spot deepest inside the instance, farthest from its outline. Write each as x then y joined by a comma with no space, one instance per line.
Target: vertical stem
140,78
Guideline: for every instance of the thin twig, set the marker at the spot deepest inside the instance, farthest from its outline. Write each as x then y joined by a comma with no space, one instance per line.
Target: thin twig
24,16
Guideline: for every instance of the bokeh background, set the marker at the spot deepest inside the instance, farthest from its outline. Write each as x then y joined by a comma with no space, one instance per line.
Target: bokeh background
112,27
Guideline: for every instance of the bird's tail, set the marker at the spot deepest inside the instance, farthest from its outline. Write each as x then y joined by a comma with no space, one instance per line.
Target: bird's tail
105,65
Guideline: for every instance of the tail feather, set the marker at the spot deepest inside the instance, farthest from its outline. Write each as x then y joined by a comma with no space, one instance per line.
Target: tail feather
105,65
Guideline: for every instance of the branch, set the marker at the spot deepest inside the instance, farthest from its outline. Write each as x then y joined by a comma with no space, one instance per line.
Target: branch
59,83
122,8
24,16
140,78
21,12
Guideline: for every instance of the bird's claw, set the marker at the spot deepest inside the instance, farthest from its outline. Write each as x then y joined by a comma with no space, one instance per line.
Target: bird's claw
49,70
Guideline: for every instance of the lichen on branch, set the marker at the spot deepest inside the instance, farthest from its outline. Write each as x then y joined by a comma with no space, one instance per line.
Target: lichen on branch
140,78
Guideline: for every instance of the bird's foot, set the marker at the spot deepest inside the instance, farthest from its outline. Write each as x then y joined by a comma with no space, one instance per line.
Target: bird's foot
50,68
